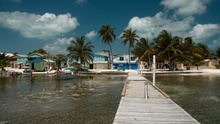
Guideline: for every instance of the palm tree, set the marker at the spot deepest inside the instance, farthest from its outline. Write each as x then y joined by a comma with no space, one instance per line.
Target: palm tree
191,51
107,34
129,36
165,46
144,51
3,61
79,50
218,52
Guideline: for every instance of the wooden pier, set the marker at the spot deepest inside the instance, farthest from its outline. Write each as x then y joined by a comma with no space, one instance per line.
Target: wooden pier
152,107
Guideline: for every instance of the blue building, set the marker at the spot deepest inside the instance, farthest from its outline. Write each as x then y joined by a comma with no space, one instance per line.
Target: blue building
122,61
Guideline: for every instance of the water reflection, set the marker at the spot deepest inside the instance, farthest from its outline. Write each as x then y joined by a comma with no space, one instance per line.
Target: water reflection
92,99
198,95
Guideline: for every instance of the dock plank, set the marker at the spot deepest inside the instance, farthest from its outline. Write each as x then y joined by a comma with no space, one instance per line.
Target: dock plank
157,109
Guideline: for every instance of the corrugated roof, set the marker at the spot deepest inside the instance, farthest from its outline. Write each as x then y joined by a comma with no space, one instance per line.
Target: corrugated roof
47,55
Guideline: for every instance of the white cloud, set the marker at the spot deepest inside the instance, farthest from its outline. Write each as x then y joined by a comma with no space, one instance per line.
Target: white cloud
202,32
81,1
151,26
59,46
45,26
91,34
186,7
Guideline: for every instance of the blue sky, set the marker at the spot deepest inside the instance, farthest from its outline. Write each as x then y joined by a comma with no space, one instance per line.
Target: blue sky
27,25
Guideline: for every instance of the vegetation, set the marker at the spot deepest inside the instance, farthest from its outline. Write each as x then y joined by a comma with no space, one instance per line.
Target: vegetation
107,34
129,36
80,51
144,51
37,51
3,61
174,50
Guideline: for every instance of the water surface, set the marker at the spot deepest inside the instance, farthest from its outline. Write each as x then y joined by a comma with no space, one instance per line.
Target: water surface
198,95
91,99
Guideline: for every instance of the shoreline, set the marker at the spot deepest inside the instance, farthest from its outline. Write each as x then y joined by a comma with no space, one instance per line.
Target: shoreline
116,72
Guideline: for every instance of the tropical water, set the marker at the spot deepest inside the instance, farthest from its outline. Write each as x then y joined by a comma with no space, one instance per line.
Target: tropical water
49,100
198,95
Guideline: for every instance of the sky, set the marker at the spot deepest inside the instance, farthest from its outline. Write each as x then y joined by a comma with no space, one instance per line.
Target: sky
28,25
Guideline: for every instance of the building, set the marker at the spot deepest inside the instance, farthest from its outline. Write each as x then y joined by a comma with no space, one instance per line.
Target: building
49,59
211,63
99,62
122,61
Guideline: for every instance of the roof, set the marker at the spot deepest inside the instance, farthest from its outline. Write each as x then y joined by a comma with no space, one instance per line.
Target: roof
46,55
206,60
36,61
46,60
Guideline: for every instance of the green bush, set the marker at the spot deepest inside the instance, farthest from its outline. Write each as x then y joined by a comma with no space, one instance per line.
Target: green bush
217,66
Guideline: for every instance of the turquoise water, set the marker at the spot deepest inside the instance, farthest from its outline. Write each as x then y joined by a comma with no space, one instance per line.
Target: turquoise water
198,95
91,99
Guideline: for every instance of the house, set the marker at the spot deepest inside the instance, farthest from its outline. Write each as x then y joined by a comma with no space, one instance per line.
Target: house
211,62
46,58
100,61
13,61
38,65
122,61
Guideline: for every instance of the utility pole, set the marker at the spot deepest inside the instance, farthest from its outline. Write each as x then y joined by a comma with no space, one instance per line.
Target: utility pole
154,69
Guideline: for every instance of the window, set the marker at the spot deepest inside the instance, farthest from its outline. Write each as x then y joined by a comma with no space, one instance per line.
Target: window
213,63
132,58
100,57
121,58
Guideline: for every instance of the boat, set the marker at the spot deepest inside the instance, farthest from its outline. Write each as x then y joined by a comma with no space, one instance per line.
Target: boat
68,75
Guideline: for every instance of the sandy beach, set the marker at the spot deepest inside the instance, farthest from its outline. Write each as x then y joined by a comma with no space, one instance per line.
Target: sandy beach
158,71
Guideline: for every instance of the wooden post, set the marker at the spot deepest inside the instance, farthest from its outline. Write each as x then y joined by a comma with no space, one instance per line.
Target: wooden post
141,67
31,76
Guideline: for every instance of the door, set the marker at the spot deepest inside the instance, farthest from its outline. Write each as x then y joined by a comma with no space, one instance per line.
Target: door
90,66
32,66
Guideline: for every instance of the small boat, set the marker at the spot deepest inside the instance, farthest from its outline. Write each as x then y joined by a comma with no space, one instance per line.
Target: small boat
67,75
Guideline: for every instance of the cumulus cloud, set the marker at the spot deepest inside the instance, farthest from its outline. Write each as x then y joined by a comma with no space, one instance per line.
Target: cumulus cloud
81,1
151,26
45,26
202,32
91,34
186,7
58,46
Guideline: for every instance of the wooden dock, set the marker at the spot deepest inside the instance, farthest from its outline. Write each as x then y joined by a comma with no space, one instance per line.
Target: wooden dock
158,108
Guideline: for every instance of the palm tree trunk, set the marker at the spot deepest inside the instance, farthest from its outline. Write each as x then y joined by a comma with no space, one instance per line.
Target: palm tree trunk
149,62
111,57
169,61
129,57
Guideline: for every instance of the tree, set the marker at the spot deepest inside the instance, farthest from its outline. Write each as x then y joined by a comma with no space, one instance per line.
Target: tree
60,58
165,46
38,51
107,34
191,51
129,36
3,61
218,52
144,51
79,50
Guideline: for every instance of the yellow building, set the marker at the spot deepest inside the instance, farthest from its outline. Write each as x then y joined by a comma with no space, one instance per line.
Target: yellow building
211,62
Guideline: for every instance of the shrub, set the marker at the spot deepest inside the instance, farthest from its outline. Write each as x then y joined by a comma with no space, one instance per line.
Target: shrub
217,66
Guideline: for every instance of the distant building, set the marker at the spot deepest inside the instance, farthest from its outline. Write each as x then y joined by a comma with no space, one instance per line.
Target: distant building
100,61
211,62
122,61
29,60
